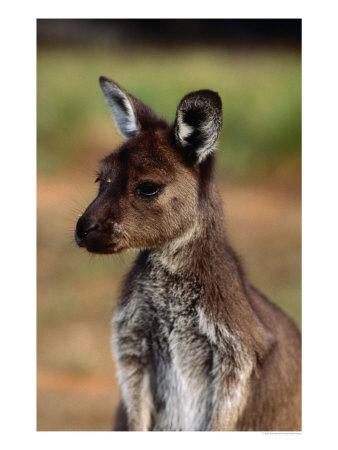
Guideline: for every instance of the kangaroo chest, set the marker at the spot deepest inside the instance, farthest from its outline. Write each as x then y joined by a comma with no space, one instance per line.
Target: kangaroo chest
180,357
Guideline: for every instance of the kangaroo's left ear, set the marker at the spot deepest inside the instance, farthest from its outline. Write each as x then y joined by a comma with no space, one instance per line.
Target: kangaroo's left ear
130,114
198,123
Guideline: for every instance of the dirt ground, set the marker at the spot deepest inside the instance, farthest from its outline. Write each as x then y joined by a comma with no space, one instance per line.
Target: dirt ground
76,382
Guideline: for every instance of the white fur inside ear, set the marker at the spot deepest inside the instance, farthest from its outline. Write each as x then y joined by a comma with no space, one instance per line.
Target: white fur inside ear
209,146
122,110
208,130
184,130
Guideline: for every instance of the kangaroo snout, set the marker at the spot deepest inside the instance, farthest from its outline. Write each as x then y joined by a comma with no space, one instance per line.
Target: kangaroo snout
97,236
85,226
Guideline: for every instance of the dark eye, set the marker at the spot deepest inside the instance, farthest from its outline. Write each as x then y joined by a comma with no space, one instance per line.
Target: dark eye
102,180
147,189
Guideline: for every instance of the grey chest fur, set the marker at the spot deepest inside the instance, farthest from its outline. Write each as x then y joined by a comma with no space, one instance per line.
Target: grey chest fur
178,356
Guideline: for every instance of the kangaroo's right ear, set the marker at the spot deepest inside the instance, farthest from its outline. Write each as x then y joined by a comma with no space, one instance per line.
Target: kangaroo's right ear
198,123
130,114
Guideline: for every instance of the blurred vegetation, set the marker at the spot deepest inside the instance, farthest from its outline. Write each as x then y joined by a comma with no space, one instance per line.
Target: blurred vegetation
260,89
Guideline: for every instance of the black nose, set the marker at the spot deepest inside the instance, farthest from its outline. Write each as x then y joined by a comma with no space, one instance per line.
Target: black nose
85,226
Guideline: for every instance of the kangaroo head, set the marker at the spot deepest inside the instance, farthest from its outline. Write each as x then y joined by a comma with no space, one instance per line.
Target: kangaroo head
150,187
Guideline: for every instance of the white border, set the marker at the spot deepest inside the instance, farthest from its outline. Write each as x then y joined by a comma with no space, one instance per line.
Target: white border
18,220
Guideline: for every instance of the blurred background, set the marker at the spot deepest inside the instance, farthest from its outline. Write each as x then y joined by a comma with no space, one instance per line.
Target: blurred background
255,65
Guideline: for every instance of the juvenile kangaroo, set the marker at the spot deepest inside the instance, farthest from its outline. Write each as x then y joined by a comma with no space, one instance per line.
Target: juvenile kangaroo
197,346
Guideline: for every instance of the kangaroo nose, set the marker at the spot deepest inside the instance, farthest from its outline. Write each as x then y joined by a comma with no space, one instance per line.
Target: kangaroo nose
84,227
93,226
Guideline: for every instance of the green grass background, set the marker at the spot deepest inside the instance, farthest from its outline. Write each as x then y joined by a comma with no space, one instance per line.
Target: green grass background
261,92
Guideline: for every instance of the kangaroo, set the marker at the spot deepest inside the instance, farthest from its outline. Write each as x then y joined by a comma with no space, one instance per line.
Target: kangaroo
198,348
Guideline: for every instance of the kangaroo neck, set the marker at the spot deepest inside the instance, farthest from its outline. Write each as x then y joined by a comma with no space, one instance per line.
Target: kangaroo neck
204,256
202,248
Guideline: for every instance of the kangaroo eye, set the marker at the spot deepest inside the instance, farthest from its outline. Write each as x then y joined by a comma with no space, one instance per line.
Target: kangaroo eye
147,189
100,180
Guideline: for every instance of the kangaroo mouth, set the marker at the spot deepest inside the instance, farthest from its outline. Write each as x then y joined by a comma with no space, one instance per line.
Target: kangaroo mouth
102,249
99,243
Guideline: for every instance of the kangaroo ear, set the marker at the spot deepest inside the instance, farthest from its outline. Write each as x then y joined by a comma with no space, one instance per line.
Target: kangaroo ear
198,123
130,114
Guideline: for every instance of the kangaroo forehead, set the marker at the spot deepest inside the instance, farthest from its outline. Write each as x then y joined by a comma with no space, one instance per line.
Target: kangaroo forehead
140,157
